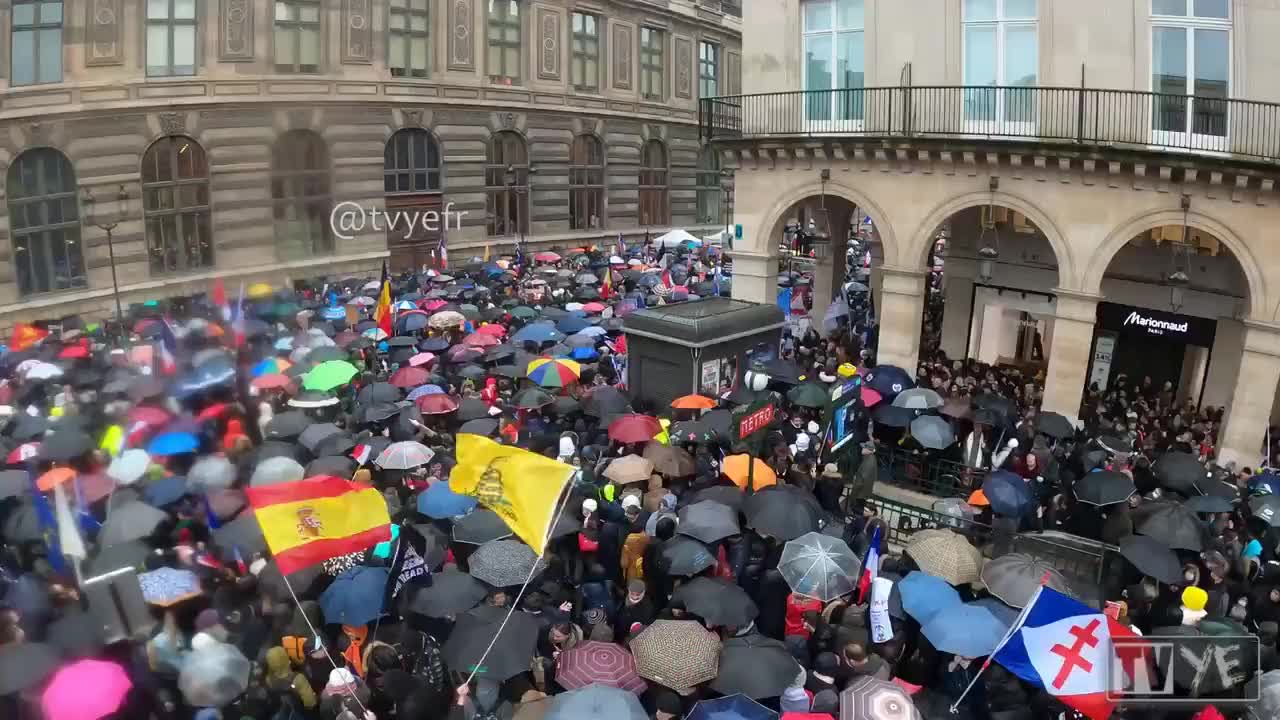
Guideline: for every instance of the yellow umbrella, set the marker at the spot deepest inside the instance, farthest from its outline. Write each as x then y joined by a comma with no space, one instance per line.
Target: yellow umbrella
257,291
736,468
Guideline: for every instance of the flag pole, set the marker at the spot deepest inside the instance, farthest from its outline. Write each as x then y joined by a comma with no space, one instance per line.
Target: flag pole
1013,629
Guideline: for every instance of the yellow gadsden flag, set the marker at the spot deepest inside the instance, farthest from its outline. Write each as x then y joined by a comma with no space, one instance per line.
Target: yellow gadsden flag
520,486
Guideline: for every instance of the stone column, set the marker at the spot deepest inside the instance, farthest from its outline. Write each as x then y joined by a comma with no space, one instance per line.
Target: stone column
1074,318
1224,363
956,315
755,276
900,313
1240,439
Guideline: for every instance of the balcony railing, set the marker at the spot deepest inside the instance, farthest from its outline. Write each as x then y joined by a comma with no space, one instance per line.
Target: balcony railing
1077,116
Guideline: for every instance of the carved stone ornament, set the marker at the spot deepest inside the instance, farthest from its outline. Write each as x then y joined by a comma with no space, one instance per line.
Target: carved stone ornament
235,42
413,118
357,29
508,120
172,123
621,57
684,67
549,44
102,33
461,43
37,133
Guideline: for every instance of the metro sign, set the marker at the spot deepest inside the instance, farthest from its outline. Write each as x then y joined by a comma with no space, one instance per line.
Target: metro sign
755,420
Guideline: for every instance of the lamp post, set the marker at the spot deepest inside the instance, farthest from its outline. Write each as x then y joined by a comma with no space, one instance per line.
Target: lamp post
726,186
108,225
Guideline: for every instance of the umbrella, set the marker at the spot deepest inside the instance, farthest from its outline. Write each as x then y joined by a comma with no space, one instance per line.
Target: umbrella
276,470
1265,687
1179,471
450,593
329,375
510,646
918,399
717,602
1176,527
480,526
693,402
605,402
923,595
1008,493
683,555
25,665
737,469
289,425
1104,487
164,586
932,431
670,460
355,597
121,555
629,469
809,394
172,443
404,455
783,512
1015,577
595,701
313,435
436,404
819,566
553,373
1054,425
243,534
309,399
599,663
739,707
867,698
503,563
1266,508
378,393
1152,558
77,634
64,445
894,416
946,554
439,501
677,653
533,398
132,520
966,630
708,521
755,666
214,676
1209,504
166,491
210,472
277,586
888,380
634,428
409,377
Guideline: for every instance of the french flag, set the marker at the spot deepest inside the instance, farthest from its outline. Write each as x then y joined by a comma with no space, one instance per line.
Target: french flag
168,348
1062,645
870,567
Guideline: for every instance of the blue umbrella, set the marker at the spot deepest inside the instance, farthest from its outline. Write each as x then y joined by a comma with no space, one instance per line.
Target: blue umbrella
434,344
286,343
584,353
165,491
425,390
596,701
888,380
731,707
1008,493
1005,614
593,331
173,443
440,502
493,269
355,597
966,629
924,595
1265,484
538,333
333,312
413,323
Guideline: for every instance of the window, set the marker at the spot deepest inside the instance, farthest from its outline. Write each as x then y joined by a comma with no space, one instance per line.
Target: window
300,191
506,180
37,42
175,204
297,36
44,223
833,61
1191,71
653,183
586,183
708,69
407,41
585,68
411,163
710,210
504,42
1000,55
653,55
171,37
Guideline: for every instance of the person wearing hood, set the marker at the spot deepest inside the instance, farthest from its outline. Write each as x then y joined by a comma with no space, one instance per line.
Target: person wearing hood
287,686
794,698
490,392
666,508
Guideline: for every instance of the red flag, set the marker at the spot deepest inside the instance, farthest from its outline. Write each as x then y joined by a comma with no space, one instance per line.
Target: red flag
26,336
220,299
606,288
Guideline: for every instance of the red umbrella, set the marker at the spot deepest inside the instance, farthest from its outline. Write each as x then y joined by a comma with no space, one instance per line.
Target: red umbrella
547,257
149,415
481,340
492,329
410,377
598,662
79,351
464,354
593,307
271,381
436,404
95,486
213,412
433,305
870,397
634,428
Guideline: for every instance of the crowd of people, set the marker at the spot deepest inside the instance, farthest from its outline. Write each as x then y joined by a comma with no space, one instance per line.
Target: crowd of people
136,581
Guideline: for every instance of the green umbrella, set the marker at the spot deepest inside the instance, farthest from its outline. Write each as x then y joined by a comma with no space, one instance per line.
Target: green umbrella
524,312
810,395
329,375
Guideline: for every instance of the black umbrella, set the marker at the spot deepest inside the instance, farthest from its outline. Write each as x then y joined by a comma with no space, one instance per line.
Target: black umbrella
691,431
471,409
1104,487
510,647
781,511
717,602
730,495
334,446
1209,504
708,521
312,435
450,593
1179,471
893,416
756,666
1003,407
243,534
378,393
64,445
25,665
683,555
1176,527
479,527
605,401
275,448
809,394
132,520
1152,558
532,398
28,427
77,634
1054,425
1266,508
288,425
379,412
129,554
14,483
273,584
483,426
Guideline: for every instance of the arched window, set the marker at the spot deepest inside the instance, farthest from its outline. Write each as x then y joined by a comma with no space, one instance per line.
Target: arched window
586,183
411,163
300,191
506,180
653,183
44,223
175,204
710,208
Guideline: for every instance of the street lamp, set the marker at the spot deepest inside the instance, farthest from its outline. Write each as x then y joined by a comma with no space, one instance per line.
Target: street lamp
108,223
726,186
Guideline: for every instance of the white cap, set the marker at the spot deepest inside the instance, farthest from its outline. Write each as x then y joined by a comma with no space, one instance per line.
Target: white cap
802,442
630,501
566,447
812,427
588,506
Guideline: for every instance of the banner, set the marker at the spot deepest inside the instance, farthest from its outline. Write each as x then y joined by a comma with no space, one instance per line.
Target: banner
881,627
410,564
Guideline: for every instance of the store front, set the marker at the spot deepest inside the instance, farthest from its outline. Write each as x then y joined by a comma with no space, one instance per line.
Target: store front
1139,342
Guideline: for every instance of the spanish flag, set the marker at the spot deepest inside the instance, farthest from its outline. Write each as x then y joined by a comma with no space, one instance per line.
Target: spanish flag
382,313
520,486
309,521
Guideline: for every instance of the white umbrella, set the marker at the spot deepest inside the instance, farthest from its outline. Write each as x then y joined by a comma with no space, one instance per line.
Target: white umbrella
211,472
44,371
404,455
277,470
675,237
129,467
214,676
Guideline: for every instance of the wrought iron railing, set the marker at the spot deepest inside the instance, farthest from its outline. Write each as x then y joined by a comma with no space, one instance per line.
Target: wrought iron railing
1076,116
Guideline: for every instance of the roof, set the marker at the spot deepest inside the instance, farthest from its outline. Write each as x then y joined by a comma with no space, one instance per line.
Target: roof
704,322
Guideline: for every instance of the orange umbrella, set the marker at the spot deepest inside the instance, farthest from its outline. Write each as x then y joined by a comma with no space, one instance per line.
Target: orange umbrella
271,381
693,402
735,468
978,498
55,477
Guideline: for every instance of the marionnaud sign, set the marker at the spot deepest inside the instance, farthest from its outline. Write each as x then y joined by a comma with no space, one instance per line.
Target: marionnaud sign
1155,326
1131,321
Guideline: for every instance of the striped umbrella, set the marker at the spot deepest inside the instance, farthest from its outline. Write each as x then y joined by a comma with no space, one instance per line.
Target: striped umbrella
554,373
598,662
